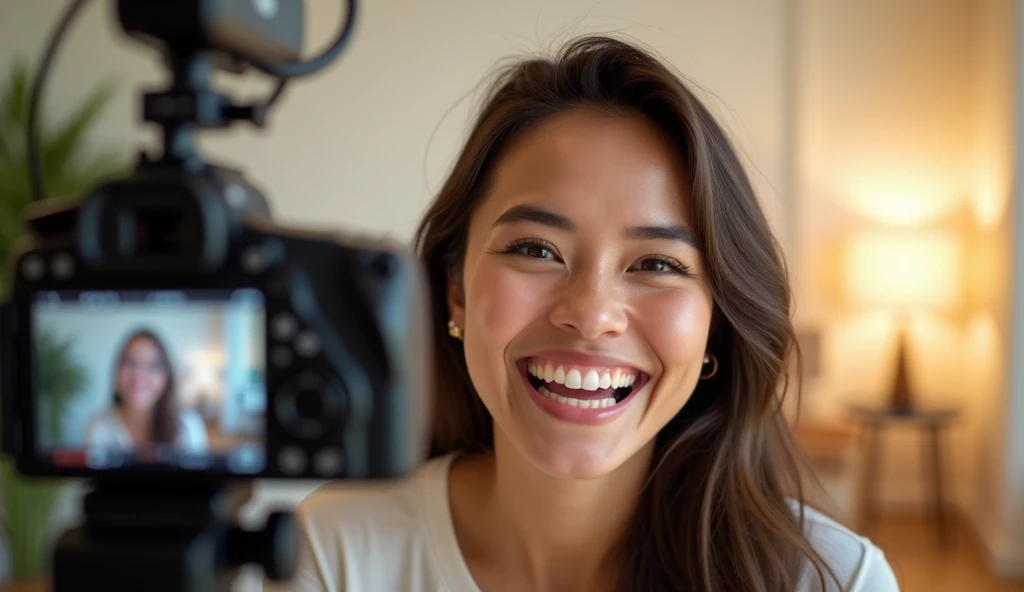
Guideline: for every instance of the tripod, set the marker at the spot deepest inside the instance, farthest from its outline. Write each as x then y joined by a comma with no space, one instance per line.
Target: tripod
138,536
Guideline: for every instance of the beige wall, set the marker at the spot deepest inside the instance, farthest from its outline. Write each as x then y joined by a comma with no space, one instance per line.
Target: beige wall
992,333
363,144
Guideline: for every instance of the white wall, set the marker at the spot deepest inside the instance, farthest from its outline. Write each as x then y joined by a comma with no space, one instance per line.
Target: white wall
363,144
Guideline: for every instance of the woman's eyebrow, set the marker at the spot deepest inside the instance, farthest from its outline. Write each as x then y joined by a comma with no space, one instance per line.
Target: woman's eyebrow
674,232
532,213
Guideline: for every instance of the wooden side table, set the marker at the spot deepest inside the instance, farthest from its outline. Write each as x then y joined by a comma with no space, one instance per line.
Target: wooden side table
930,422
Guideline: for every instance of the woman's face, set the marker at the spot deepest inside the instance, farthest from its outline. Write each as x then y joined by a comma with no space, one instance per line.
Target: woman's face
142,377
584,299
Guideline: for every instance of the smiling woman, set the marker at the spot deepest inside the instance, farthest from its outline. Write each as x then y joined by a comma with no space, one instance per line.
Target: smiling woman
612,332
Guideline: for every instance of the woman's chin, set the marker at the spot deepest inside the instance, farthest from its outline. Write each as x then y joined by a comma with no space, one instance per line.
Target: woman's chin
137,405
575,460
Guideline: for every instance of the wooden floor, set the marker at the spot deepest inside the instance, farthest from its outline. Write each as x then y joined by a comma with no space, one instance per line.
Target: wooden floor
923,565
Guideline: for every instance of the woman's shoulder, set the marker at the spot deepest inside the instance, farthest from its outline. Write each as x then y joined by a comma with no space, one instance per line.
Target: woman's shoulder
104,420
382,534
385,503
858,563
105,415
190,418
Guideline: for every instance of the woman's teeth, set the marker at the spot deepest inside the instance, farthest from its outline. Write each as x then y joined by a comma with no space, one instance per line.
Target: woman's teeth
581,403
588,380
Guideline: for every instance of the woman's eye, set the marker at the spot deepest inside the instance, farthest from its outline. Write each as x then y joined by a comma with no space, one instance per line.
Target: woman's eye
538,252
532,249
662,265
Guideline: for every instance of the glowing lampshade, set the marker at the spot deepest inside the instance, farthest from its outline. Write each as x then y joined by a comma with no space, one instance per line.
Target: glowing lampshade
904,269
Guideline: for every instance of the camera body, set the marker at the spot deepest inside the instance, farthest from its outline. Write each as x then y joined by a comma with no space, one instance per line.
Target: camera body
341,327
165,337
273,352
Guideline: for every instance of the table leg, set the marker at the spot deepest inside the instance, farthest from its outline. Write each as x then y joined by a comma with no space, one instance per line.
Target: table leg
870,484
937,482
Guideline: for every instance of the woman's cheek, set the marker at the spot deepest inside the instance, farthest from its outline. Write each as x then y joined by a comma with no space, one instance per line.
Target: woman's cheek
159,384
676,324
505,302
122,381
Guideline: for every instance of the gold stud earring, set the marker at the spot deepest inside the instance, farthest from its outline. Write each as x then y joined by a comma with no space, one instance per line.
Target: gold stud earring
710,359
454,330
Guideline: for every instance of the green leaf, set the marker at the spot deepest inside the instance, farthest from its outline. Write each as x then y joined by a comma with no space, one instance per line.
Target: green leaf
60,379
27,519
78,180
14,105
6,153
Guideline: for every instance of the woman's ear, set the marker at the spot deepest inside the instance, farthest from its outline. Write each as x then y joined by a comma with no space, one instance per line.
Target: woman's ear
456,298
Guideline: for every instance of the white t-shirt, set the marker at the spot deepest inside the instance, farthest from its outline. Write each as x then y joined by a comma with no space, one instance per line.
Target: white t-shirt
399,536
106,430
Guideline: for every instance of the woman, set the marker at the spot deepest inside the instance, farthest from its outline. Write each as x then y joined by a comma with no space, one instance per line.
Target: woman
612,339
145,412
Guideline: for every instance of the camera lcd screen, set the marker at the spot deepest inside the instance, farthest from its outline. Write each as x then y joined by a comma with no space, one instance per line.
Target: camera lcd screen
158,379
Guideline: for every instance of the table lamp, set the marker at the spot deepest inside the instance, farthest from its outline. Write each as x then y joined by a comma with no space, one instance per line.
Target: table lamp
904,271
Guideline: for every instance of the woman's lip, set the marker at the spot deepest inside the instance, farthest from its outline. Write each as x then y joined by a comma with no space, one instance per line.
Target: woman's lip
582,358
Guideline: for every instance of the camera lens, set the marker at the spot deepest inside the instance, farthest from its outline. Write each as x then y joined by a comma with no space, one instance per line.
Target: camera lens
309,404
310,407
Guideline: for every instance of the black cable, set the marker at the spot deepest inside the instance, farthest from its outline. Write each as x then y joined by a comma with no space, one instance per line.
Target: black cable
32,141
314,64
281,83
284,72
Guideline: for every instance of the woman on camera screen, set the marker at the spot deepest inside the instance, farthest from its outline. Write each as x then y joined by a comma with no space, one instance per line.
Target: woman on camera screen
612,335
145,412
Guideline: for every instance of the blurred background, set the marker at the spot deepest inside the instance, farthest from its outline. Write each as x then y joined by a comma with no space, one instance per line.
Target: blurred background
883,139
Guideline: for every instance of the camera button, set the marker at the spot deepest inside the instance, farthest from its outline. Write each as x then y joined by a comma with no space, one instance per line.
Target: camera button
329,462
63,266
33,267
246,460
291,460
284,326
254,260
307,344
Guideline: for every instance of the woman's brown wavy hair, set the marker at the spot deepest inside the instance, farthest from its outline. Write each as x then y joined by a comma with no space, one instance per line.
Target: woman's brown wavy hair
165,410
723,507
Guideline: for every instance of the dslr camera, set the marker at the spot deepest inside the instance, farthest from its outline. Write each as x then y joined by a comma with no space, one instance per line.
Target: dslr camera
206,345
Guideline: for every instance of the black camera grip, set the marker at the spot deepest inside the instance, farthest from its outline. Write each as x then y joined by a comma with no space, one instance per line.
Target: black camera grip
10,432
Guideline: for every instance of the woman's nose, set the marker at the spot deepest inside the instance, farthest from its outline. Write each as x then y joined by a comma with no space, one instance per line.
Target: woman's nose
592,306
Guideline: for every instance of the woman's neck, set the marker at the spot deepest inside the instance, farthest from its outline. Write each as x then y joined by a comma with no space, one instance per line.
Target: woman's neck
138,422
516,523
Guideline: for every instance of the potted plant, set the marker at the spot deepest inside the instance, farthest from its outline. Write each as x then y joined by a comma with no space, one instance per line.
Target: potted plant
69,170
